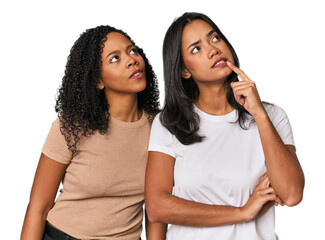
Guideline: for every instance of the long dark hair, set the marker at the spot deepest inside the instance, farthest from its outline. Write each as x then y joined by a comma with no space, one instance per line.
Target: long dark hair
178,114
81,106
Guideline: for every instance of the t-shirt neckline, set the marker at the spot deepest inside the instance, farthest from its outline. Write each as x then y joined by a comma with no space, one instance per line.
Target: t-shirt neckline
140,122
218,118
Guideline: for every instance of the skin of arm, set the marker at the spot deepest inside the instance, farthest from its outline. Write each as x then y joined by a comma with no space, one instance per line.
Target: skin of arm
163,207
47,179
155,231
284,170
283,167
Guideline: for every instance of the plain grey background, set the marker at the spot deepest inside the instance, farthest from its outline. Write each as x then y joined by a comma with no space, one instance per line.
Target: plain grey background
280,45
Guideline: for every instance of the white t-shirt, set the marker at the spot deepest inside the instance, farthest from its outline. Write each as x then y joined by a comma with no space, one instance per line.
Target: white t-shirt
223,169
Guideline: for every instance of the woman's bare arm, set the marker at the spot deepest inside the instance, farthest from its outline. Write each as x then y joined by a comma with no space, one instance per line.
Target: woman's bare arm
283,168
47,179
155,231
163,207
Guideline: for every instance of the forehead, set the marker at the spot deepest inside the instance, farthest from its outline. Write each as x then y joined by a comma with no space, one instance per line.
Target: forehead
195,31
115,41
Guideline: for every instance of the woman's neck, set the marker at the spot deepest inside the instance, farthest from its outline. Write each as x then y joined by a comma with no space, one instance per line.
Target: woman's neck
124,107
213,99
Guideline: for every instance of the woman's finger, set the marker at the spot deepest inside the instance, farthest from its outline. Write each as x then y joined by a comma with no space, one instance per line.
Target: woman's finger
268,190
240,83
242,93
237,70
241,87
279,201
240,99
265,182
263,177
269,197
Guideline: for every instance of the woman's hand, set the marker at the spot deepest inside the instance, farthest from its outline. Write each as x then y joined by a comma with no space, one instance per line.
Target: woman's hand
262,199
246,93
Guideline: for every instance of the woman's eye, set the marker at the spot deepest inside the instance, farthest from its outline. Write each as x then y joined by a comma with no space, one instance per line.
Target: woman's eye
216,38
114,59
133,51
195,50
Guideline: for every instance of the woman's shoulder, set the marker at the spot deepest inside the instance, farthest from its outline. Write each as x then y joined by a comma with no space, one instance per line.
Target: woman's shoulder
275,112
156,121
55,145
272,108
56,124
158,126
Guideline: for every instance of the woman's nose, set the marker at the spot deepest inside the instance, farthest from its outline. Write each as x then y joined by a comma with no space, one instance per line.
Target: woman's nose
214,51
131,61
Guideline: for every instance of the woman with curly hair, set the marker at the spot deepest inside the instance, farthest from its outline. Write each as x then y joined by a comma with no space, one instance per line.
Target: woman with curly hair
98,144
219,159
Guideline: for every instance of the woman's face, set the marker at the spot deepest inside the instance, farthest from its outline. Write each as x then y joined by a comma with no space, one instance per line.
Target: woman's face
123,69
204,53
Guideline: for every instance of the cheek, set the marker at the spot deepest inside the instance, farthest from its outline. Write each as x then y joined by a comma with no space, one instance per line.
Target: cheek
194,65
226,50
110,76
141,62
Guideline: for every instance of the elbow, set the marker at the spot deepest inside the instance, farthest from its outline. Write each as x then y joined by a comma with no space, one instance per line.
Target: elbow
294,199
152,217
39,208
154,210
294,194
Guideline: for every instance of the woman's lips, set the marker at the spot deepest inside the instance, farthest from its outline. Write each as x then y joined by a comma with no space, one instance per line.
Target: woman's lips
137,74
221,62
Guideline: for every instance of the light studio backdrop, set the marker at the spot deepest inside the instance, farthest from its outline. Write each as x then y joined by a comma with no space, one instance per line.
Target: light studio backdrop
280,45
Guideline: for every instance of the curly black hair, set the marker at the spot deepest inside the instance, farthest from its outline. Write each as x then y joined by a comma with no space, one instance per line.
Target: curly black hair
81,106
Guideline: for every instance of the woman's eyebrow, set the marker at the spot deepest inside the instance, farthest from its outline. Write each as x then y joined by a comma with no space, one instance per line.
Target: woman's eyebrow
129,46
211,32
117,51
197,42
193,44
111,53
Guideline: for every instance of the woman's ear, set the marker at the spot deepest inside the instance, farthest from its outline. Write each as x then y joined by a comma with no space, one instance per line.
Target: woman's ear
100,85
185,73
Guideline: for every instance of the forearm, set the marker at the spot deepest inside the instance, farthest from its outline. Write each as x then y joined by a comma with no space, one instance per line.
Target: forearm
34,224
171,209
284,170
155,231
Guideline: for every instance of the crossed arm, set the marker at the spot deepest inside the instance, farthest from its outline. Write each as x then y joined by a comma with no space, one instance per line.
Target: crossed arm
162,207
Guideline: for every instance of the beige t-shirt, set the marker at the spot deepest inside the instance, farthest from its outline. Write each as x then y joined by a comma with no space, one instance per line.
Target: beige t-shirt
103,187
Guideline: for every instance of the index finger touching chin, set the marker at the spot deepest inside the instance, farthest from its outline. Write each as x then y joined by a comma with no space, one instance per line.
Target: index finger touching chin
234,67
240,73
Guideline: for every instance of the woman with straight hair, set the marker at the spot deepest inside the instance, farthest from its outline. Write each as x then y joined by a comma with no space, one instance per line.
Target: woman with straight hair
219,157
98,144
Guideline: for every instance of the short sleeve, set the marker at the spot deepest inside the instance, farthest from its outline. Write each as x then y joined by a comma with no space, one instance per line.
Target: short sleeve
281,123
161,140
55,146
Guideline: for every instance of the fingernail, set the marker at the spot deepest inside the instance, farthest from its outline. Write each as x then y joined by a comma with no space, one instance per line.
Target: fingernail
229,63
